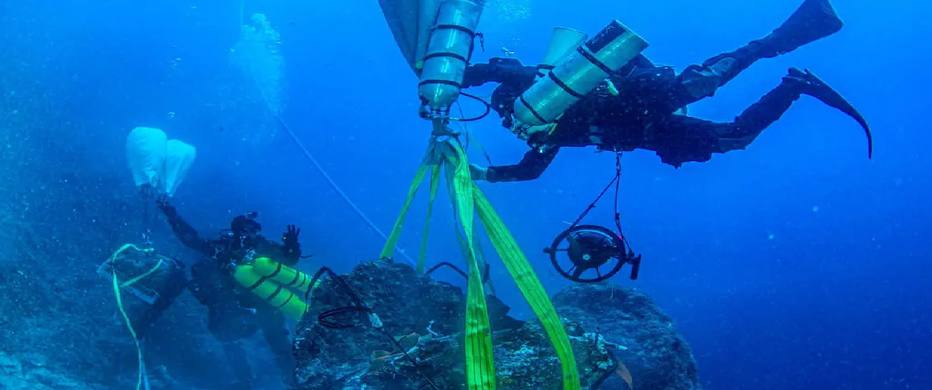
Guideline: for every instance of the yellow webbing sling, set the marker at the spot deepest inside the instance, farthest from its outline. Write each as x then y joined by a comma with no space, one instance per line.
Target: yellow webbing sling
468,200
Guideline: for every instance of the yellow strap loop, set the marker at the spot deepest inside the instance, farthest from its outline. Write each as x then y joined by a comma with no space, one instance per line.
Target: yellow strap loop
425,232
389,249
531,288
468,200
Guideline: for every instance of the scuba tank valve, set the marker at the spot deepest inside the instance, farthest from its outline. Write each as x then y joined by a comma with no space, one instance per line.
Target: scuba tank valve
448,51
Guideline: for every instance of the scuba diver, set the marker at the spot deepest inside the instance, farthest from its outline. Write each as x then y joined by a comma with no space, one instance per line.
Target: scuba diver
233,312
644,115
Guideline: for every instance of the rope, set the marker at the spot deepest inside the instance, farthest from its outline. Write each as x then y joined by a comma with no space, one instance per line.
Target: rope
142,379
143,276
336,187
146,219
617,192
616,182
470,136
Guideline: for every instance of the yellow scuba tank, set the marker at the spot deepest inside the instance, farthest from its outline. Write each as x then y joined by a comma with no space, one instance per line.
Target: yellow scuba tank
448,51
269,285
576,75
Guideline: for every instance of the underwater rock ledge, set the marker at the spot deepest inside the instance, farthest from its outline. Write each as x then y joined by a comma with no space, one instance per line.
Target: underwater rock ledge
338,348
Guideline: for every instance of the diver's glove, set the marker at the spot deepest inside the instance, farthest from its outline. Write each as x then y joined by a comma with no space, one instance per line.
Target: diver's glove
478,172
290,241
166,207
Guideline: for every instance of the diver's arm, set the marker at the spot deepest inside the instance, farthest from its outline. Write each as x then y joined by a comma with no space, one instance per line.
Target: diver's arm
499,70
534,163
182,229
287,253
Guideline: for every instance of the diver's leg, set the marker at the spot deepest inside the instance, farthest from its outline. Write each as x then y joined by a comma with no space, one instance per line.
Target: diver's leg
683,138
276,334
813,20
691,139
750,123
238,364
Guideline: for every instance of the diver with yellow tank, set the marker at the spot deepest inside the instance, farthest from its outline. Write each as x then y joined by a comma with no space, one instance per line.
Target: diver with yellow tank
248,284
576,97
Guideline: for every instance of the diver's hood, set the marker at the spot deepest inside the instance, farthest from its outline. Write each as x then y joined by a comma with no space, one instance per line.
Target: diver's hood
245,224
410,22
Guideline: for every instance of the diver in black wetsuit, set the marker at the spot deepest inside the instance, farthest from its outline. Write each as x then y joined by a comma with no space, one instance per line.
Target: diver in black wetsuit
643,115
233,312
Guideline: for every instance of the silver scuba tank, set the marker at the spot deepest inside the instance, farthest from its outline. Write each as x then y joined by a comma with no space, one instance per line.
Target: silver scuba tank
448,52
563,41
576,75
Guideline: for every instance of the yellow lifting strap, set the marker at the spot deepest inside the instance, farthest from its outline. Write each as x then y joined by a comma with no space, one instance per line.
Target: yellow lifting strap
468,200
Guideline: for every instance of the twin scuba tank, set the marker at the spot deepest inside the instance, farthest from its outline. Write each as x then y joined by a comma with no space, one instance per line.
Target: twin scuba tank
574,68
280,286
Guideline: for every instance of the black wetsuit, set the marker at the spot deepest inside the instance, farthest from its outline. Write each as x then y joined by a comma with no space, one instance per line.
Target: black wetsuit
644,114
233,311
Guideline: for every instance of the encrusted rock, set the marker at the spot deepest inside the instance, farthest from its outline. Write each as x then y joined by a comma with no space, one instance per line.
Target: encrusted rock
643,338
425,319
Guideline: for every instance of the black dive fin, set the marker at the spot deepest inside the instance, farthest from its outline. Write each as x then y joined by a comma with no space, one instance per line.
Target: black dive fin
815,87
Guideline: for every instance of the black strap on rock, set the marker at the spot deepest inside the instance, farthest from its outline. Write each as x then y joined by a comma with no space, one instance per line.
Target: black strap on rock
325,318
485,270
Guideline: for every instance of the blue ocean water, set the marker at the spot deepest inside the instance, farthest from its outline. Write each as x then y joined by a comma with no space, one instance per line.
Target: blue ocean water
796,264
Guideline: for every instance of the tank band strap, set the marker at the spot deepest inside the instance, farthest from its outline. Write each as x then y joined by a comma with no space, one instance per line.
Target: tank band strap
257,283
286,301
278,268
301,283
445,54
531,109
595,61
295,278
455,27
274,293
445,82
565,87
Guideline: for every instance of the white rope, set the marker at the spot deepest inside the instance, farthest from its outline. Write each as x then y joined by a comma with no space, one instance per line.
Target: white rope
333,184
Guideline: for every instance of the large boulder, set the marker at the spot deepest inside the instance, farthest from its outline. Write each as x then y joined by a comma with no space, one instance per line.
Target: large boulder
421,338
641,336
